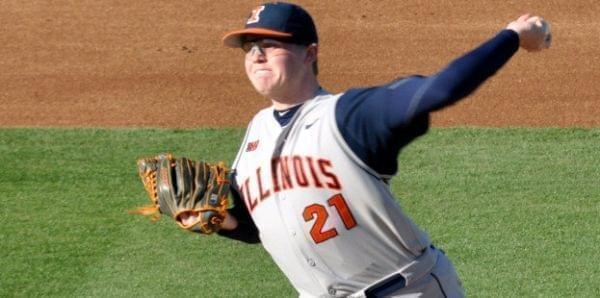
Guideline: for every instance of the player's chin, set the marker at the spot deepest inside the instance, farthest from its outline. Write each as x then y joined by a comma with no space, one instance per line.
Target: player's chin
262,86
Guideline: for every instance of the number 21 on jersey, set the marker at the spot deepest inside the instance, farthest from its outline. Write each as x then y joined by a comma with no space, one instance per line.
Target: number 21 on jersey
320,214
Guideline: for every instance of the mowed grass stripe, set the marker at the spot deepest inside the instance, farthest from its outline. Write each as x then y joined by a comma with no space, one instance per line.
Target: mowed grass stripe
517,210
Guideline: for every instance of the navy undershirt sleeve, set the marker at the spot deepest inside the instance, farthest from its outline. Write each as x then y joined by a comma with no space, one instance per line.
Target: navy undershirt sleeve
378,122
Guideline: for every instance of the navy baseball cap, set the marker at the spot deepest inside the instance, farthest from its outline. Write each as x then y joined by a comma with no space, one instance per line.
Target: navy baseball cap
280,20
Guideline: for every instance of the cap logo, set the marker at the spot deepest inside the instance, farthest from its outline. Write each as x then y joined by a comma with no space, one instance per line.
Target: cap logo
255,16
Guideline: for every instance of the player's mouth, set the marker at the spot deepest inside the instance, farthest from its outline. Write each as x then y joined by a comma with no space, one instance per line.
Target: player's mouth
262,72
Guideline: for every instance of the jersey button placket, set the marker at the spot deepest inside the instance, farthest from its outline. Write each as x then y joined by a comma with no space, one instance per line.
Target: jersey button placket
311,262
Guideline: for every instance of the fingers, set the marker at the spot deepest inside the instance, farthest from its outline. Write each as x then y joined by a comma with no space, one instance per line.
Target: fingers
524,17
520,24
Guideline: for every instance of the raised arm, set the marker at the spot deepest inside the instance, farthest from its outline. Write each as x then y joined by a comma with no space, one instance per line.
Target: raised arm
378,122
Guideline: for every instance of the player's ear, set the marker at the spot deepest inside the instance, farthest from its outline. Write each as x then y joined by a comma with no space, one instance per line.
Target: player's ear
312,51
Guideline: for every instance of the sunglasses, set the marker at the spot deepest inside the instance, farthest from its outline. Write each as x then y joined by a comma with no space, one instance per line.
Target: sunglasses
265,46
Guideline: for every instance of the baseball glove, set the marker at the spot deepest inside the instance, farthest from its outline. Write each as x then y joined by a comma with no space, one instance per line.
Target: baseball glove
194,193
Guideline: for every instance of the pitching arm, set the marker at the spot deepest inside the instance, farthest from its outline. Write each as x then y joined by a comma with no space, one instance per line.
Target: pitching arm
378,122
459,79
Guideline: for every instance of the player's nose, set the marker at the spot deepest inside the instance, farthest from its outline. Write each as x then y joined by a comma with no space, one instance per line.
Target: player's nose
256,54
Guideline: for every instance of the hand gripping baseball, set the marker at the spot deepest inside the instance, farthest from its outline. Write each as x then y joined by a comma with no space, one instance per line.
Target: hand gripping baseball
194,193
534,32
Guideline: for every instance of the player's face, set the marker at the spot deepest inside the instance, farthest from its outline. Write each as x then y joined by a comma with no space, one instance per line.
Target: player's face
276,69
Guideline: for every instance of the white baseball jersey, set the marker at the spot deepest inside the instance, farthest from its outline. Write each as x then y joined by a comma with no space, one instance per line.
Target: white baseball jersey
329,221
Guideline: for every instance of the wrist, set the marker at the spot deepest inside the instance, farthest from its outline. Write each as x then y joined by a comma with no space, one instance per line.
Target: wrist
229,223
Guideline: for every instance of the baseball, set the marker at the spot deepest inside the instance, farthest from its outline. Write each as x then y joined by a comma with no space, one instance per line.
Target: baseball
545,28
548,34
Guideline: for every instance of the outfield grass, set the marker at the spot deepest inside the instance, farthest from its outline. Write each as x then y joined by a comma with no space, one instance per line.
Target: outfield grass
517,210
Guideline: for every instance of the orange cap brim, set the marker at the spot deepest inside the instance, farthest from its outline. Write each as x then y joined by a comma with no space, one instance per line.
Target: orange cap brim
234,39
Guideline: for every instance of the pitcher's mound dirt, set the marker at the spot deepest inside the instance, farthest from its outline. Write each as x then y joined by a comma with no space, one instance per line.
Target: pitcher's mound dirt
160,63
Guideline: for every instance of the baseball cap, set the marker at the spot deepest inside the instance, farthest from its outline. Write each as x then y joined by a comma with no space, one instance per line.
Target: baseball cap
279,20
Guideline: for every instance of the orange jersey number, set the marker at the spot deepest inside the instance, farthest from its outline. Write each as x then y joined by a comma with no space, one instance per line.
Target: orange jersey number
320,214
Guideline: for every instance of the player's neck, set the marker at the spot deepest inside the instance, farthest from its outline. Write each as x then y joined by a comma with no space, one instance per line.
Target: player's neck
286,101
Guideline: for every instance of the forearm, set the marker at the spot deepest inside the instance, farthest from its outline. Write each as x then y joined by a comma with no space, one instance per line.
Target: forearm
237,230
461,77
378,122
238,223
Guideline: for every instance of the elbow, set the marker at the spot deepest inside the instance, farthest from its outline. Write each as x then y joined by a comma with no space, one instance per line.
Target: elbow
437,99
448,92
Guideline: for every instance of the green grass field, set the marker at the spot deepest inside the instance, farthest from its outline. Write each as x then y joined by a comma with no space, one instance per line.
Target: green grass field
517,210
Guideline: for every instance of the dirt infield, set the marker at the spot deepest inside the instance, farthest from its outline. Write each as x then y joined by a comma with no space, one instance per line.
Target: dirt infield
160,63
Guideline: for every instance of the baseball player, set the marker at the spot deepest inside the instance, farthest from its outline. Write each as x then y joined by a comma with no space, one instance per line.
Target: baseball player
311,176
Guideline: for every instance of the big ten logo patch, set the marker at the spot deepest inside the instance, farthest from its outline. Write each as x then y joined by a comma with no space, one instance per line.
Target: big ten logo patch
255,15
